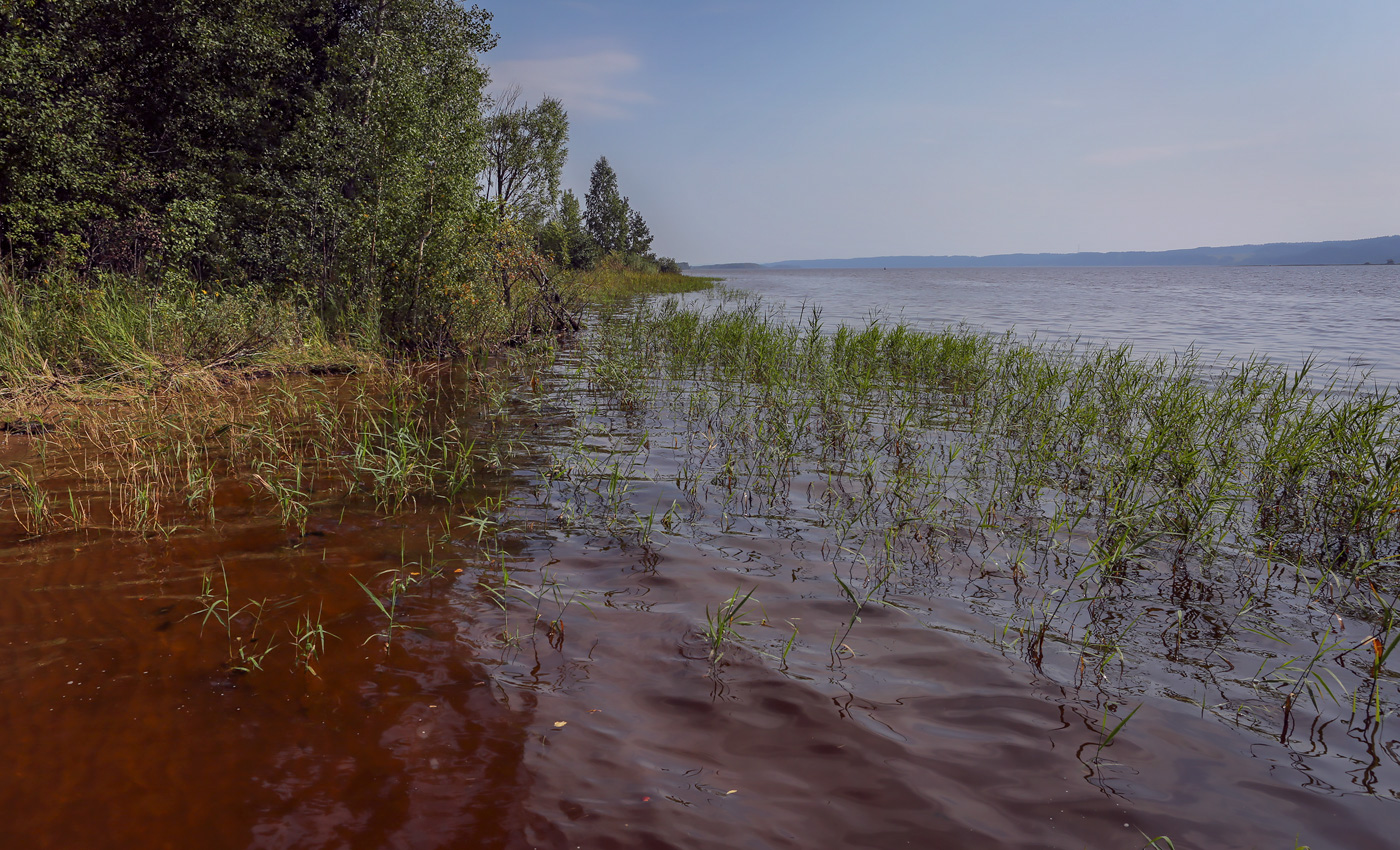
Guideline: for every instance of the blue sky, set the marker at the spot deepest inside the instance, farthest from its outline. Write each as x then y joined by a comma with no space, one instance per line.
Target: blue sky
761,131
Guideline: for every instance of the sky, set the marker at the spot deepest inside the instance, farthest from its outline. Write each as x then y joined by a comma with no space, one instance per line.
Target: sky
767,130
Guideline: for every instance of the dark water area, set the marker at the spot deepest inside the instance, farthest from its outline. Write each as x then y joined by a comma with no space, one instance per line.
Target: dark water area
545,681
1346,317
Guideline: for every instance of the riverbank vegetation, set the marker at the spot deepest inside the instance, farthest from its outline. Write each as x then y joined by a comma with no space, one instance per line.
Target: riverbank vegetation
310,180
1126,525
211,215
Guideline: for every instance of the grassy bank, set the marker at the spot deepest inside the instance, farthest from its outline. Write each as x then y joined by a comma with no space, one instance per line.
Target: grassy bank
610,286
64,329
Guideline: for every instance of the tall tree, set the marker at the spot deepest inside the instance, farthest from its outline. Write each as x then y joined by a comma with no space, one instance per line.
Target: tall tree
417,158
525,149
606,211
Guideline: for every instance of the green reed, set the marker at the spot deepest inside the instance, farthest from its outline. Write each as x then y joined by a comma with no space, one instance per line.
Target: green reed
721,626
1073,475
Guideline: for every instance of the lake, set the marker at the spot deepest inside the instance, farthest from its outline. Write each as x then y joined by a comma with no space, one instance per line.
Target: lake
1348,317
604,596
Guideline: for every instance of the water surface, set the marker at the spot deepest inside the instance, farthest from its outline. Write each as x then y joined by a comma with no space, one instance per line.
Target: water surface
550,685
1347,317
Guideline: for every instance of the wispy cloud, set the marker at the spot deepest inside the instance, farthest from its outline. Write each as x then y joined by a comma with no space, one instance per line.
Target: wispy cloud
592,84
1137,154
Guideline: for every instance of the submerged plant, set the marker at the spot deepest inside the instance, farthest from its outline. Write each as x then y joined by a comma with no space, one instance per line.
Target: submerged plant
1093,497
38,517
388,606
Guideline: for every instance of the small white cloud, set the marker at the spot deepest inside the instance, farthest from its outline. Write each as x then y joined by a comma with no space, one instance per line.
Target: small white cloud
591,84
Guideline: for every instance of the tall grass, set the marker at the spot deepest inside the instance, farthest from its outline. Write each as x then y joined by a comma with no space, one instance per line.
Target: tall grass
106,326
1169,452
611,285
65,325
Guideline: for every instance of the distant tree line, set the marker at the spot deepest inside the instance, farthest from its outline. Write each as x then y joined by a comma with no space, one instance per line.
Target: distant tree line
343,152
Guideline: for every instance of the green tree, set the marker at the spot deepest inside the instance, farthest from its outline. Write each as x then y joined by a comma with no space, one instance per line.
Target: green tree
328,145
135,128
564,238
525,152
52,175
606,211
638,234
416,159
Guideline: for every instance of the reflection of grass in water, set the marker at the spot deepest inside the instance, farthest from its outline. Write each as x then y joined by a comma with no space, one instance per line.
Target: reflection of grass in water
1067,471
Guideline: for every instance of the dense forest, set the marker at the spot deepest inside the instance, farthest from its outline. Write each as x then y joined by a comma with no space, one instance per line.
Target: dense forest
342,157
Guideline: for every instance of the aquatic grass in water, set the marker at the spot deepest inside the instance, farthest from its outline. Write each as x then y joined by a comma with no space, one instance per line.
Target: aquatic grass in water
721,627
296,450
1095,499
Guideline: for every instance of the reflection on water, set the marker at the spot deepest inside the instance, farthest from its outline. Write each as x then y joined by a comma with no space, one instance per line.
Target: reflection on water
1347,316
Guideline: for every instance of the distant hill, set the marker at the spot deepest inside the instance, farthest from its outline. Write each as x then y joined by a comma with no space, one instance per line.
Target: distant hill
1378,251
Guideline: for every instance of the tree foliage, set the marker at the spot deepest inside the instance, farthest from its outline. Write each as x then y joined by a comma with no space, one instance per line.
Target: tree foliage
605,212
615,227
341,153
328,143
525,152
565,239
638,234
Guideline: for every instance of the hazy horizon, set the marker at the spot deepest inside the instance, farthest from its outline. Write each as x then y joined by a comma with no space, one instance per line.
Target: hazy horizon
1183,249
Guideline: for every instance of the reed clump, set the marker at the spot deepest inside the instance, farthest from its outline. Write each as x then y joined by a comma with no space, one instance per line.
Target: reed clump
1110,510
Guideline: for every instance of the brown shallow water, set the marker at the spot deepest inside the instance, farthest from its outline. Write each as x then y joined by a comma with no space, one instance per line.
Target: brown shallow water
585,711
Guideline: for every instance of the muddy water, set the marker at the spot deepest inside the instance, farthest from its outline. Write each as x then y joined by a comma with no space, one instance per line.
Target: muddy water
545,682
126,727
